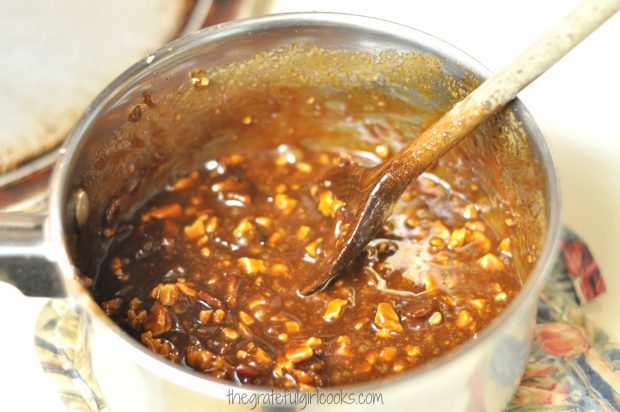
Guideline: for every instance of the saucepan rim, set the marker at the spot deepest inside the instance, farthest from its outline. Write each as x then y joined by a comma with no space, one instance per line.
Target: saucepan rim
195,381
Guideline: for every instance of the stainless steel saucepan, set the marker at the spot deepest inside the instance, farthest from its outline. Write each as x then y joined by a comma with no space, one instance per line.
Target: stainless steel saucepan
102,176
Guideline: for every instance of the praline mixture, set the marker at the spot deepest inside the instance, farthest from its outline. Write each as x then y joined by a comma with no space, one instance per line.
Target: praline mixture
206,273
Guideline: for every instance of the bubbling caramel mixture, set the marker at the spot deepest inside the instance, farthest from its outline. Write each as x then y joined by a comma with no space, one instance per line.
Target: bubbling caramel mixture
206,273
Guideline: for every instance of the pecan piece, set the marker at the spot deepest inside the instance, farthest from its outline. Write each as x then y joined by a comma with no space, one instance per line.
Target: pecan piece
159,321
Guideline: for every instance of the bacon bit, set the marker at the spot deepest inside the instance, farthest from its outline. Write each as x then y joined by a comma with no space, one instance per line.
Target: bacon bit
160,346
470,212
457,238
388,353
200,359
219,316
111,306
480,240
399,367
285,203
501,297
441,259
211,300
257,301
440,230
185,182
477,304
232,288
386,318
211,225
233,159
159,321
245,318
136,318
363,367
313,248
135,303
245,370
476,225
505,246
199,79
313,341
429,281
412,222
167,294
279,318
264,222
230,333
298,353
435,319
275,238
251,266
413,351
382,151
360,323
225,185
334,309
292,326
436,241
244,331
490,262
281,160
303,232
304,167
279,269
463,319
245,228
116,263
372,357
262,356
344,343
163,212
205,316
196,229
186,289
329,204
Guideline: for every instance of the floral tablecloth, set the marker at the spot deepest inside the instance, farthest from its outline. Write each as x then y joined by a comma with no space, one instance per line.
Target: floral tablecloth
573,365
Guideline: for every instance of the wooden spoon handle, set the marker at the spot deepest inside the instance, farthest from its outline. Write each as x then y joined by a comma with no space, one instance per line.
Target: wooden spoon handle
498,90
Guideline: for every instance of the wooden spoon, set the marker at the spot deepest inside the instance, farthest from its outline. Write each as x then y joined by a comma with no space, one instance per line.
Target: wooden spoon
370,193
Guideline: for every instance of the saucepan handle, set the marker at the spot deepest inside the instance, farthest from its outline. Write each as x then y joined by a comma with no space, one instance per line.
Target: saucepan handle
25,255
